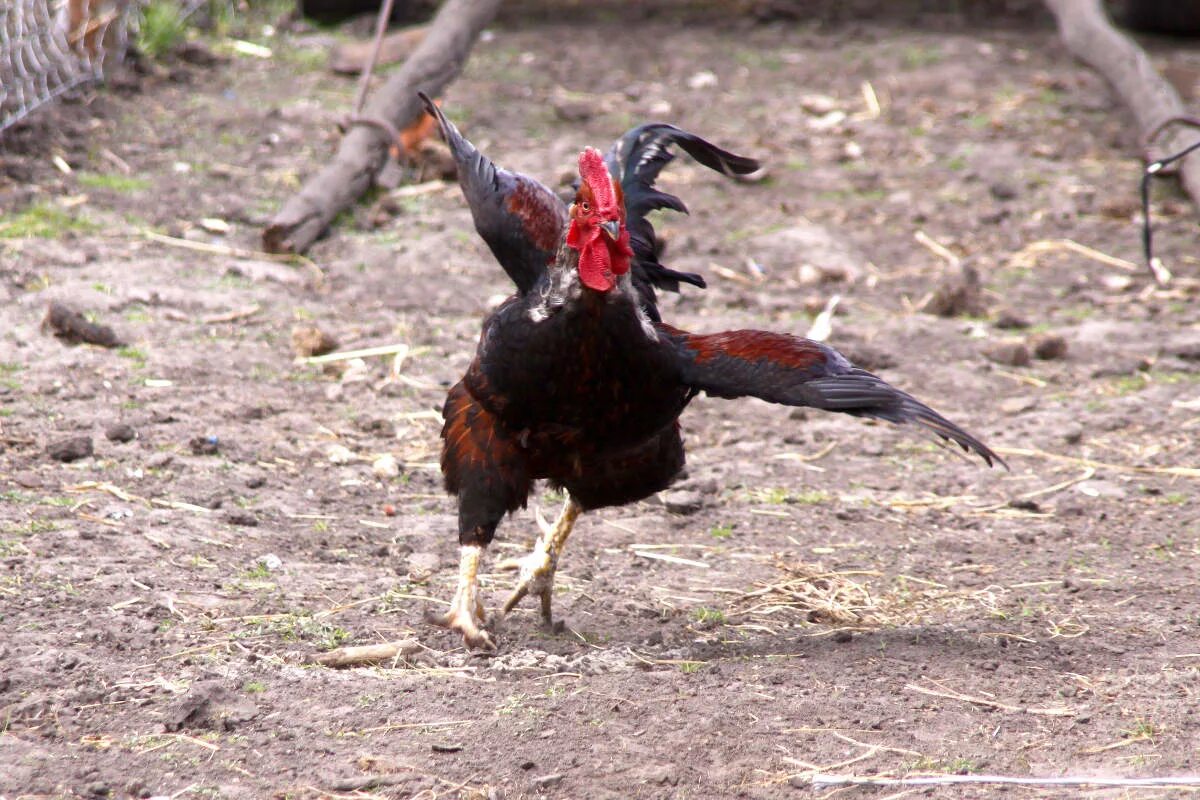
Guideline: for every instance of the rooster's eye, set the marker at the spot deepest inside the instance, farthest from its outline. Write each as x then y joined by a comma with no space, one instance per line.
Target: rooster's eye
584,205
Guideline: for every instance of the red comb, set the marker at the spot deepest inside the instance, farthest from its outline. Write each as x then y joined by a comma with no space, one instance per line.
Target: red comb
595,175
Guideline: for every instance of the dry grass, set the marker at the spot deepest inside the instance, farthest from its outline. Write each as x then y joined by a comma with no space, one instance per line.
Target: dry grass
807,593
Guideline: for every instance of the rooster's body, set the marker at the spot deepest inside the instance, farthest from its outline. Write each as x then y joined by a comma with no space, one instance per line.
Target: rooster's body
577,380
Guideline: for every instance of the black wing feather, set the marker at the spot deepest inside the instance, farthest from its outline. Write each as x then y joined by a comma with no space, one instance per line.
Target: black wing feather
792,371
518,217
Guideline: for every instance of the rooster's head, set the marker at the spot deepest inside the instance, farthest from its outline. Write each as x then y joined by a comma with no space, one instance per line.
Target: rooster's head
597,228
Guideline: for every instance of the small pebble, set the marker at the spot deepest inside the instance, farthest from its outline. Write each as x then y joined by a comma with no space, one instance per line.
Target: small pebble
1049,347
386,466
1010,320
120,432
1108,490
309,340
339,454
1072,433
1010,354
1002,191
1018,405
683,502
73,449
160,460
204,445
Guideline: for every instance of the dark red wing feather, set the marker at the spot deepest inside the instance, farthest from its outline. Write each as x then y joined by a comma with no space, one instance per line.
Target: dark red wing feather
540,219
519,218
756,346
800,372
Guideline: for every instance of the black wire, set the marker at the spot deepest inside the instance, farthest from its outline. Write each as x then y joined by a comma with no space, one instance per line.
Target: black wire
1151,170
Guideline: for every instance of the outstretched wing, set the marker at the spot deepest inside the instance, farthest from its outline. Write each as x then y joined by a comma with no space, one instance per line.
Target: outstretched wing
635,160
519,218
800,372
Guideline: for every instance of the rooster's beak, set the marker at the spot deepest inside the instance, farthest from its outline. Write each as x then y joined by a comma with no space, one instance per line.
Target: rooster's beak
613,228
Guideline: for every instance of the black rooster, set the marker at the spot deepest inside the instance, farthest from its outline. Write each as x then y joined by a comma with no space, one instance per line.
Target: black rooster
578,381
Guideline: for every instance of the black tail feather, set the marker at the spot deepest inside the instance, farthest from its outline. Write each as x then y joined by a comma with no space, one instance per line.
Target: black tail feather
635,160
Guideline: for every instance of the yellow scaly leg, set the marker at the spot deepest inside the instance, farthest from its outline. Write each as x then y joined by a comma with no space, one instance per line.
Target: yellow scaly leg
537,568
466,614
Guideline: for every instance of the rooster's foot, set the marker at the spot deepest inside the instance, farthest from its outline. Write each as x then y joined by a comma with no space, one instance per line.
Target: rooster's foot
537,578
537,569
466,614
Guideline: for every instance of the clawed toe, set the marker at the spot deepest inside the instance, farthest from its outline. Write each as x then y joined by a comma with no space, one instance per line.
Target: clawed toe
466,614
536,578
465,623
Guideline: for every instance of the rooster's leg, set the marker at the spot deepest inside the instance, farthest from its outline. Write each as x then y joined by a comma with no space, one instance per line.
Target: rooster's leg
537,568
466,610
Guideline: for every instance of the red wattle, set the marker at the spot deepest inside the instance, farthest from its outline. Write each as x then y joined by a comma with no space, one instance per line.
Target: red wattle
574,236
601,260
595,266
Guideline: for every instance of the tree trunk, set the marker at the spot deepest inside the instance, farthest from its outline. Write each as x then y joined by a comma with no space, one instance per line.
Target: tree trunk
1090,37
436,62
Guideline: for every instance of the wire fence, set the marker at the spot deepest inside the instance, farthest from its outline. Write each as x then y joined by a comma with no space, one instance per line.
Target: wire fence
48,47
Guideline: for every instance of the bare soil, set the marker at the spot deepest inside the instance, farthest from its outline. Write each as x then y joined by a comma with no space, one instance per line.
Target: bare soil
840,597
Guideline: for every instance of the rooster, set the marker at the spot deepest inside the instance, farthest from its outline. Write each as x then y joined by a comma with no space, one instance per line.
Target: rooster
578,381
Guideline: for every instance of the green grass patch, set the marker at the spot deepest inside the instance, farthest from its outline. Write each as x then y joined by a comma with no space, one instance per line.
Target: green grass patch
11,547
302,628
779,495
708,616
32,526
259,570
43,221
124,184
162,28
721,531
138,357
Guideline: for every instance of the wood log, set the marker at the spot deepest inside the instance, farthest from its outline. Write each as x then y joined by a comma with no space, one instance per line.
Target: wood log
1088,34
367,654
437,61
351,57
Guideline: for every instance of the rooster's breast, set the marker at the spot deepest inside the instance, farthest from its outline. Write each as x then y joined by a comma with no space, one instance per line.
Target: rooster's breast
591,374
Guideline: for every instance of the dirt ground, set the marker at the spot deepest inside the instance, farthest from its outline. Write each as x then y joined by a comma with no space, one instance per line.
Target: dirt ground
821,595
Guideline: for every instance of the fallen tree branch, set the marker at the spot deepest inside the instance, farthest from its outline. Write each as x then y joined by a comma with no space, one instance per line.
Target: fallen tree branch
352,57
1160,115
436,62
367,654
